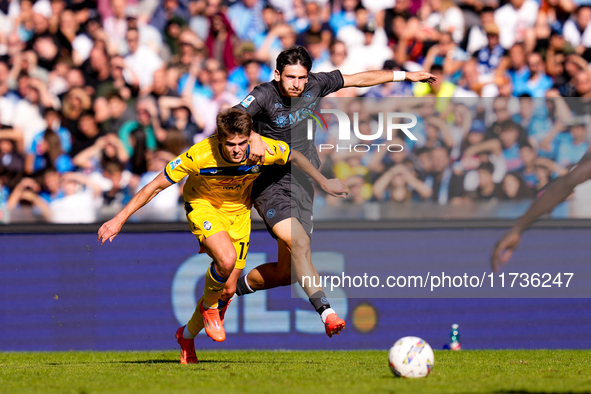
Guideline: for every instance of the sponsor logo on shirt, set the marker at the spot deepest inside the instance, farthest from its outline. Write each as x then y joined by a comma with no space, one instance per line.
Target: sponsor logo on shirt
175,163
207,225
246,102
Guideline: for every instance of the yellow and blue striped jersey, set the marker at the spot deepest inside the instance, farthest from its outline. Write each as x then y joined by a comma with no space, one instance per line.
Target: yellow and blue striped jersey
217,182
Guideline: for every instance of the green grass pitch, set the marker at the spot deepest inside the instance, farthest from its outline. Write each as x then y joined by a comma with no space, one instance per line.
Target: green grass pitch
338,372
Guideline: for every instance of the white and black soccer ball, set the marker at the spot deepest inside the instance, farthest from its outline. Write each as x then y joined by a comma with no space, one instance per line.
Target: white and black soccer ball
411,357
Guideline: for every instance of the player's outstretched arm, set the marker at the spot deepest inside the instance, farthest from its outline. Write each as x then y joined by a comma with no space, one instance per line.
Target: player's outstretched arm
376,77
334,187
110,229
555,193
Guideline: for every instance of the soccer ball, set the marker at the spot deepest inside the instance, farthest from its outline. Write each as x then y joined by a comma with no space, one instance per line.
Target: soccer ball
411,357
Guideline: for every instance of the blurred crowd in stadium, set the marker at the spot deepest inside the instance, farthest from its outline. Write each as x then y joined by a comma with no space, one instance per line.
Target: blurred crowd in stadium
97,96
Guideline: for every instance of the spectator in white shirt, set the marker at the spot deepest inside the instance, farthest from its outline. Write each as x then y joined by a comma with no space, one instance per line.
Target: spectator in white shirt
142,60
516,21
577,30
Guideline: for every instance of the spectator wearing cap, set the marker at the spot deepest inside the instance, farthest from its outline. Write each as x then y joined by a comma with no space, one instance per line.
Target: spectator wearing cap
477,36
489,57
246,18
516,20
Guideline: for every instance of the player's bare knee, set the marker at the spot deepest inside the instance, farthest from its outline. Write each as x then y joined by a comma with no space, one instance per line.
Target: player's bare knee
226,264
300,245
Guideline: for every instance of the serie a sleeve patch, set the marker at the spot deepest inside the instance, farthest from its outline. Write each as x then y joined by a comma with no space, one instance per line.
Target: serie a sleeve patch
246,102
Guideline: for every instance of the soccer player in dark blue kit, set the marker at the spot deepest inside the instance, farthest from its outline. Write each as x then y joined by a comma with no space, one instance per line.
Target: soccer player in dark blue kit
284,197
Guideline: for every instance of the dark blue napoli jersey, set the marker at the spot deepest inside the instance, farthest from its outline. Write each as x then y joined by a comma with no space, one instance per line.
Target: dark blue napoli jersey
285,118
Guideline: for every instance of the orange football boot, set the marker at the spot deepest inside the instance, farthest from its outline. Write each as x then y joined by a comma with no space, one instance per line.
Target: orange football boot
333,325
188,355
212,323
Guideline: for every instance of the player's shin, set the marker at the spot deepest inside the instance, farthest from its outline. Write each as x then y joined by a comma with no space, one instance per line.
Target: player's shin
214,287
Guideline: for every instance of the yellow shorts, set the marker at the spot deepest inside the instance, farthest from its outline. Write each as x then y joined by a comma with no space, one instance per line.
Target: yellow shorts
205,221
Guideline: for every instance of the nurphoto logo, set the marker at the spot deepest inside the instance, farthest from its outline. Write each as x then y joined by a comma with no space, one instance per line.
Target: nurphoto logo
392,123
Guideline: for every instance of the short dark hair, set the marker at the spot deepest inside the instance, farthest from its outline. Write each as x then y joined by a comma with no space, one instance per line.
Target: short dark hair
488,167
233,122
114,94
294,56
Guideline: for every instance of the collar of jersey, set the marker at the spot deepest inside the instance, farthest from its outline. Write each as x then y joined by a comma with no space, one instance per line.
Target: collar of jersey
231,162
